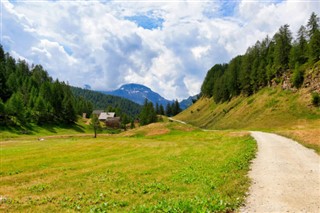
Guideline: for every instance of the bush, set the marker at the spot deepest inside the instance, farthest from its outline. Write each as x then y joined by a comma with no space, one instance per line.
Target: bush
297,77
315,98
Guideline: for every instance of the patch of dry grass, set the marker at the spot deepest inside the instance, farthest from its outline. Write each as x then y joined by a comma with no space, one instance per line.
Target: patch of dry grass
306,132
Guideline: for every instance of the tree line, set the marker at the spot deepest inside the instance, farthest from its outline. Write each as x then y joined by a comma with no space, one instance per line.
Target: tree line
265,62
149,112
29,95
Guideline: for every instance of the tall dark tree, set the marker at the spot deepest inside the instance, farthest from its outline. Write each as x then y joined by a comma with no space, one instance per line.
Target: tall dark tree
282,47
232,73
124,121
2,111
148,114
161,109
157,109
313,24
168,110
314,47
175,108
299,50
14,107
245,74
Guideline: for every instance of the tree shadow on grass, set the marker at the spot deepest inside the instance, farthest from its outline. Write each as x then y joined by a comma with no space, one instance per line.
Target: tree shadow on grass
33,129
77,128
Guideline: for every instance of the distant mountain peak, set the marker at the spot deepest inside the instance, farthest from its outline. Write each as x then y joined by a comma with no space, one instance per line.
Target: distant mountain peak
138,93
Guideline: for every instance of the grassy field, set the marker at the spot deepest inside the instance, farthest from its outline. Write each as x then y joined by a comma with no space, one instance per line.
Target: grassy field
166,167
271,109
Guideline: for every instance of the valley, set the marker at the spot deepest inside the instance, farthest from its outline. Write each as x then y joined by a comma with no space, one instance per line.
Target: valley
220,151
165,166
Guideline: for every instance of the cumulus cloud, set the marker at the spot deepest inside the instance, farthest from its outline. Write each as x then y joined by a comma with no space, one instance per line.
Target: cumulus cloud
167,46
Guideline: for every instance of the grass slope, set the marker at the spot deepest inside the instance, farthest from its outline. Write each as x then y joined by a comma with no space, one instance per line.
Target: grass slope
271,109
165,167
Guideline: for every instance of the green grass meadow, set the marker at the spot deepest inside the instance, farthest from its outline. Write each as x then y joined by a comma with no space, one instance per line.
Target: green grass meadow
179,171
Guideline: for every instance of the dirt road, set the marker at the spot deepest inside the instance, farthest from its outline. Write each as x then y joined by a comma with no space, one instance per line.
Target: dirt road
285,177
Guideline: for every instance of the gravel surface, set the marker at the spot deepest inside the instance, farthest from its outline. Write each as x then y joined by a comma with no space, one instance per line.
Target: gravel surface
285,177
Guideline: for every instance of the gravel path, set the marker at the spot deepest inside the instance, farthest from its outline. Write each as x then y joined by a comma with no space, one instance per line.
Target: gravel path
285,177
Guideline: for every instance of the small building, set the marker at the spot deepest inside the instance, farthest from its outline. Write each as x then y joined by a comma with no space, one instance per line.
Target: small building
105,115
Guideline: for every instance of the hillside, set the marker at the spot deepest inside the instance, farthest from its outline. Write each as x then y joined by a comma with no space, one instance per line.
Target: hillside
286,112
270,108
103,101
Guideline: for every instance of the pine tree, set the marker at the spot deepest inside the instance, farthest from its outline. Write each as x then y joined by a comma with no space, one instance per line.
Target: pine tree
282,47
124,121
148,114
168,110
40,109
313,24
297,77
245,73
14,107
161,110
1,108
176,108
132,124
157,109
314,47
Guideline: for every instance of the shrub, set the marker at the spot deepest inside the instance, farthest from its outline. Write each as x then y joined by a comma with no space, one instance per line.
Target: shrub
297,77
315,98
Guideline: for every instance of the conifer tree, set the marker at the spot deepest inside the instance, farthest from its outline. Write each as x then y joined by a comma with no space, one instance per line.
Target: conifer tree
168,110
148,114
161,109
313,24
314,47
282,47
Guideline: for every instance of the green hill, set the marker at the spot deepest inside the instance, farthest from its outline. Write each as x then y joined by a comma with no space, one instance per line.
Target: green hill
269,109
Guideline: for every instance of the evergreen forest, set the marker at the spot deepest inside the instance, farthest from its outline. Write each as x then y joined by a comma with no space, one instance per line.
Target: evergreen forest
108,102
266,62
29,95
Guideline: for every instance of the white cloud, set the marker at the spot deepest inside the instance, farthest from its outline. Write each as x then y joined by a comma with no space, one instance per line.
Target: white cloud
94,42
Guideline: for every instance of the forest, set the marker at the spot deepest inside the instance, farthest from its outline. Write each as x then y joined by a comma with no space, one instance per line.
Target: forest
29,95
265,62
109,102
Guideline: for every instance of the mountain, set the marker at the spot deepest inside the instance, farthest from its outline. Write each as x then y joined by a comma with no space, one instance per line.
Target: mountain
185,103
138,93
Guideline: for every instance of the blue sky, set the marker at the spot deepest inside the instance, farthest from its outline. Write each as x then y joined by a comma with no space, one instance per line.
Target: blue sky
165,45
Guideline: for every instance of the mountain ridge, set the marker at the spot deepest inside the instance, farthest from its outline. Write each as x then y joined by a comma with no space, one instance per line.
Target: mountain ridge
138,93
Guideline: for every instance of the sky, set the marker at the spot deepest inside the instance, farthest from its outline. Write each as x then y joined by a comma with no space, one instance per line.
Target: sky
167,45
